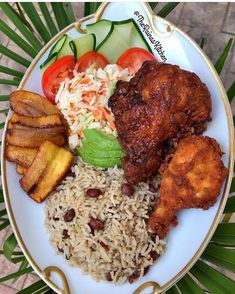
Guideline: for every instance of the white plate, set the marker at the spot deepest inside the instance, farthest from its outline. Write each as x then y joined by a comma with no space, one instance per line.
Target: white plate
187,241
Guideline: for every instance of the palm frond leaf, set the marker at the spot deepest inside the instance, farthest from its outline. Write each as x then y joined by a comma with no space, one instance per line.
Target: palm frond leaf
202,43
91,7
4,97
220,256
69,11
187,285
221,60
232,188
36,21
231,92
167,9
5,111
60,15
173,290
20,12
16,20
212,279
1,196
153,5
11,72
2,125
225,234
3,212
17,39
9,246
9,82
5,223
24,264
48,19
32,289
16,275
230,205
12,55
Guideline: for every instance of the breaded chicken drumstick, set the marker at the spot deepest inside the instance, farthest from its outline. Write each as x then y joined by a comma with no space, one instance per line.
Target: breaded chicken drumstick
193,179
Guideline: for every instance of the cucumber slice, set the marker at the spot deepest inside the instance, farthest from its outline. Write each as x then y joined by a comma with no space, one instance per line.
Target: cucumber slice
82,45
62,47
124,35
58,45
101,139
137,38
96,152
98,162
125,29
65,49
50,59
113,45
101,29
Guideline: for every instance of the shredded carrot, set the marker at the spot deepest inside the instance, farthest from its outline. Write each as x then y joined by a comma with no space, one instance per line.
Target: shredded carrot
97,114
108,117
85,80
86,99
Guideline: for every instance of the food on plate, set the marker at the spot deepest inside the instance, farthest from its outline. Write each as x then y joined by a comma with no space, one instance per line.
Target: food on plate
31,104
110,38
104,44
160,105
193,179
21,155
127,118
83,45
46,121
97,227
35,121
21,170
55,74
122,36
34,137
47,170
83,100
133,59
91,58
100,149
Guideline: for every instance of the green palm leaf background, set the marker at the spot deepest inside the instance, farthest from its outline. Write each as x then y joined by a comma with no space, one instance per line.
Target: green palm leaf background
35,27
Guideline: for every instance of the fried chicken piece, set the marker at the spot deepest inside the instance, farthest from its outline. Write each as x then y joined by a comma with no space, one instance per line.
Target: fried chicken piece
161,102
193,179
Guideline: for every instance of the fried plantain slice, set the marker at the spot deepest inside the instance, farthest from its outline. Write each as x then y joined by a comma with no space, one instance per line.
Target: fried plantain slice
21,170
33,137
31,104
21,155
40,131
46,121
47,170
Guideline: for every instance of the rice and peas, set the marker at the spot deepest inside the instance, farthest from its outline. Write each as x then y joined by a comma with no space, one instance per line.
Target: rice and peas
90,218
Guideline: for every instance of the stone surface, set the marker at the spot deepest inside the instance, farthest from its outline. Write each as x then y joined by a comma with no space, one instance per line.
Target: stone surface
30,279
174,16
229,24
78,10
204,15
6,290
8,268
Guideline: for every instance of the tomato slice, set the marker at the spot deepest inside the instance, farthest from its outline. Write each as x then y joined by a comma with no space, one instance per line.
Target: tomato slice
55,74
89,58
133,59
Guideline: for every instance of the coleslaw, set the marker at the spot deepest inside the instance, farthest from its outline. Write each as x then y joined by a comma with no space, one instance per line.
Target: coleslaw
83,100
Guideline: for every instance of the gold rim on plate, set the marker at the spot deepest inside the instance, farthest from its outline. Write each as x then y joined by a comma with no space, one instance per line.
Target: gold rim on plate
45,273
